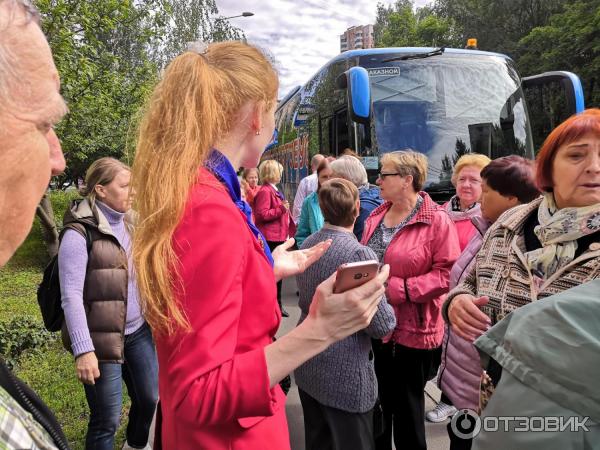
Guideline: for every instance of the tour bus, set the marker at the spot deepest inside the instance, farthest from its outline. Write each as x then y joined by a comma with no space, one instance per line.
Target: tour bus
442,102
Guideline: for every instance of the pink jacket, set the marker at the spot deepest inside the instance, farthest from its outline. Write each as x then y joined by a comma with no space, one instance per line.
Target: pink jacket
460,369
463,221
272,218
420,258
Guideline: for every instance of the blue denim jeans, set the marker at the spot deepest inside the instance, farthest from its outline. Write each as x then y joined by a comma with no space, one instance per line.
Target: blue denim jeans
140,373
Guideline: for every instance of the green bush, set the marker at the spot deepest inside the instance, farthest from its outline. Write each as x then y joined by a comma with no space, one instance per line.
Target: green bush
60,202
21,334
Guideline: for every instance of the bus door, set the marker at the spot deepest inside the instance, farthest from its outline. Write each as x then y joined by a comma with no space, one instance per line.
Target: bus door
341,131
551,98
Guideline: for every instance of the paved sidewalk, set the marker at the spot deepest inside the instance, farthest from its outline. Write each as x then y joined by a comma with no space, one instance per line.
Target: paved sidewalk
437,438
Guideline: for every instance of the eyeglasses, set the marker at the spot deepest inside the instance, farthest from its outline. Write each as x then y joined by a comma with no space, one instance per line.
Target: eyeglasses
382,175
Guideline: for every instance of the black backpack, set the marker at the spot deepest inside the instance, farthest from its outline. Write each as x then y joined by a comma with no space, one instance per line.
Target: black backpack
48,293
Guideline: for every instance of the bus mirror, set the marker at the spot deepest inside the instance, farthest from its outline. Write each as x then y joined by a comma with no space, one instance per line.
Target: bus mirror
356,81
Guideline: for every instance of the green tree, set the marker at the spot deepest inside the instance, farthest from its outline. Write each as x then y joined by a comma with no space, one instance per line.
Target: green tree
460,149
99,48
104,70
498,25
570,41
109,54
191,20
401,25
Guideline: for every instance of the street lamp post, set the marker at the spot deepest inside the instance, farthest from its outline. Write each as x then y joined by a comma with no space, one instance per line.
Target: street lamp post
244,14
220,20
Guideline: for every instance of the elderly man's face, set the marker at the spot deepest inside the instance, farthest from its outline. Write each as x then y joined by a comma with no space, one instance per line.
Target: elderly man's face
30,152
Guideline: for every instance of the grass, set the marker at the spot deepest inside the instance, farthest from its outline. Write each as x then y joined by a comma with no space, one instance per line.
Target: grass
51,374
49,369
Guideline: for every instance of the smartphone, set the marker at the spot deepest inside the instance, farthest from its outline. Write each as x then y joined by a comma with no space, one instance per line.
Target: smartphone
354,274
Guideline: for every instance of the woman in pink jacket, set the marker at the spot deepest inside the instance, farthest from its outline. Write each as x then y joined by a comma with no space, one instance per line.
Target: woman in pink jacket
272,211
464,206
418,240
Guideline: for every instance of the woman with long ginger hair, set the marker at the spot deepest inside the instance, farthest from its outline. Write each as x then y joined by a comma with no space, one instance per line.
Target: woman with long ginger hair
205,273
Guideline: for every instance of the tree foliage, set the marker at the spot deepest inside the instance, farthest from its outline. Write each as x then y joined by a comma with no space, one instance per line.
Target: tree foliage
498,25
190,20
109,54
400,25
569,41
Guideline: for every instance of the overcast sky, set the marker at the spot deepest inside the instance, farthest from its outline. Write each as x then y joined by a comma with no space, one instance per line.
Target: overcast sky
301,35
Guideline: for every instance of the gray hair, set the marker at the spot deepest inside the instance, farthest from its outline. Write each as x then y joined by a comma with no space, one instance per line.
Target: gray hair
351,169
8,74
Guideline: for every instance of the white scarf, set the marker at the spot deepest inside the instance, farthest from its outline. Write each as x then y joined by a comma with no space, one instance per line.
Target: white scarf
558,232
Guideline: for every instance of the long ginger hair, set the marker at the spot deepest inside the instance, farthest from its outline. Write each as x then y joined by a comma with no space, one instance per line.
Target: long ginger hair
194,105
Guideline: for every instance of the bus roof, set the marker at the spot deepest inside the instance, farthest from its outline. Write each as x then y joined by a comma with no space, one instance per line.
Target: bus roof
386,50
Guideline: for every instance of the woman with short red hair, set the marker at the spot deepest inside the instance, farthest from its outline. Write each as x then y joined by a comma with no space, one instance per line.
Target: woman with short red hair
539,249
543,247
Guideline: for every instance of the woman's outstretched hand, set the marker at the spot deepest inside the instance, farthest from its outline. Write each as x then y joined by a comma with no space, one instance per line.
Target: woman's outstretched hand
288,264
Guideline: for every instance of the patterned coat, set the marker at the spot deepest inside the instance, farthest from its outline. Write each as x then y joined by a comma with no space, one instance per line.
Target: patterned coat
501,272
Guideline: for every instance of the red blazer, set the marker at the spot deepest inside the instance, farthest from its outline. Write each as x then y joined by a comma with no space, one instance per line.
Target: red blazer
213,381
272,218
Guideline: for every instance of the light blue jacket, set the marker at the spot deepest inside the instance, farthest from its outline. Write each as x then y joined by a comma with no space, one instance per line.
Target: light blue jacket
311,218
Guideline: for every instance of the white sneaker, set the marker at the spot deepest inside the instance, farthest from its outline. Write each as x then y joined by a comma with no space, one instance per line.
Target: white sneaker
440,413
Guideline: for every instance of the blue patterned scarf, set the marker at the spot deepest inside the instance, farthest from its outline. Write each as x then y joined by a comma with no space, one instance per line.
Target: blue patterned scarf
220,166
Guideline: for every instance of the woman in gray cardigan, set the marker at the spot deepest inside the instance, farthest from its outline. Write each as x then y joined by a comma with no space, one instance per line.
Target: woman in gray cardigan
338,388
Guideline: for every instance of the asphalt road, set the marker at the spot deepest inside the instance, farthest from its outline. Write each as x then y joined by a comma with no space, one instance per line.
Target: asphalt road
437,438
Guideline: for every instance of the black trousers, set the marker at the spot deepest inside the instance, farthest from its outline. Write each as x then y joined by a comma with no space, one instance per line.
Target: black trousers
272,245
402,373
445,399
327,428
457,443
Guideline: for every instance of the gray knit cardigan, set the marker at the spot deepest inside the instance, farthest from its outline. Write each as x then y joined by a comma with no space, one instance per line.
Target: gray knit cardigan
343,376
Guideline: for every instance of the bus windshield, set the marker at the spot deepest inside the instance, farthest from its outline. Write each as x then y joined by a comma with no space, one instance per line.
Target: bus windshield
446,106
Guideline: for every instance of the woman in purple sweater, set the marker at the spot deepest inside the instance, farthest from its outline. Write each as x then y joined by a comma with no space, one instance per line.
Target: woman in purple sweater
104,327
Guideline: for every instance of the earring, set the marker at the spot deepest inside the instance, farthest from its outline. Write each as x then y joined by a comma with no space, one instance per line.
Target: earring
258,133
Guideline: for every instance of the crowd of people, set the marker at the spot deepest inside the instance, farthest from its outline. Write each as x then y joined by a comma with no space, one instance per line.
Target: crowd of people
182,299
